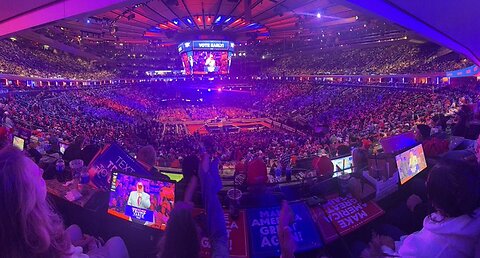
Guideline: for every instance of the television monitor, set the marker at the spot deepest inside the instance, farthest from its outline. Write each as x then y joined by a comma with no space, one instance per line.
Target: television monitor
396,143
19,142
410,163
63,147
342,165
141,200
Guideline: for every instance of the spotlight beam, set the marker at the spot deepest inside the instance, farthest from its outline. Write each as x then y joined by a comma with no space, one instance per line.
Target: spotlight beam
321,16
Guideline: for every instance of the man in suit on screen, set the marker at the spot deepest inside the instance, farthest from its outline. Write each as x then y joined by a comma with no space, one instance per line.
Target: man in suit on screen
139,198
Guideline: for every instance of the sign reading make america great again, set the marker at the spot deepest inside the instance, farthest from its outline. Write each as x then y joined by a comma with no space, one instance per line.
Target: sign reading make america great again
263,230
346,213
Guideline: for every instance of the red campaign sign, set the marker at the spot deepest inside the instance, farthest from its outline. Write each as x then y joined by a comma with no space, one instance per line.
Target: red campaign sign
237,236
346,213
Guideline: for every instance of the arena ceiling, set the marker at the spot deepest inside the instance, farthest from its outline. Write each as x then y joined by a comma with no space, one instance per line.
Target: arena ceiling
450,23
171,21
453,24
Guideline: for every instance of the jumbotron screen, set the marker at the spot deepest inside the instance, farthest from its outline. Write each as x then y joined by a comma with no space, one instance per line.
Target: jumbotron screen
206,56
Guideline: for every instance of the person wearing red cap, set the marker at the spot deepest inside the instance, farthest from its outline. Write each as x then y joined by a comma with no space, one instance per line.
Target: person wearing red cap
360,156
256,172
323,166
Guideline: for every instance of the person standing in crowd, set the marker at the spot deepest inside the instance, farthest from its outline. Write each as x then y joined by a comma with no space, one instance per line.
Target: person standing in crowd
211,184
284,161
273,168
463,118
432,146
257,172
74,150
241,167
186,187
147,157
360,156
323,166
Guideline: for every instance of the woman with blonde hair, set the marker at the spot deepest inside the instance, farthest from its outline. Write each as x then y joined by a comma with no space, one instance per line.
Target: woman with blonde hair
29,227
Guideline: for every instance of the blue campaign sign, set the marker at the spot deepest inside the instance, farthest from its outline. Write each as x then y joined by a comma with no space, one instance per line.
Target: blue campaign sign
263,233
139,213
113,157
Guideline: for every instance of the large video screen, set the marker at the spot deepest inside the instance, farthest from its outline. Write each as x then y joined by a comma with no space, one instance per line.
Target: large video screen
140,200
210,62
410,163
206,57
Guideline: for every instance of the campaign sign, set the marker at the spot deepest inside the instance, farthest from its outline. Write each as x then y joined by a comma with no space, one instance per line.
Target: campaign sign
263,230
212,45
346,213
111,158
139,213
237,236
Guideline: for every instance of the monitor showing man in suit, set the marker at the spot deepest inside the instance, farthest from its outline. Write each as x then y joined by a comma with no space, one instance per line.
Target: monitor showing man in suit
141,200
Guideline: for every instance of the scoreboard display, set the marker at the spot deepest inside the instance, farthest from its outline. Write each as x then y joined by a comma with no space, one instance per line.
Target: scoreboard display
206,56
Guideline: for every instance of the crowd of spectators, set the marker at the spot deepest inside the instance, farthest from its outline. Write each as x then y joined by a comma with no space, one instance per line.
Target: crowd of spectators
324,117
136,116
364,112
299,120
405,58
30,59
124,61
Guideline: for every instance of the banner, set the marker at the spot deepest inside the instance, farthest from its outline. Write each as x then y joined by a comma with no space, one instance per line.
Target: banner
237,236
139,213
111,158
346,213
208,45
473,70
263,234
213,45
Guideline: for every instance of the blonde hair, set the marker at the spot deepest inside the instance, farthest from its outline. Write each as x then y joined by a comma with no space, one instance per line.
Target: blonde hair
29,227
